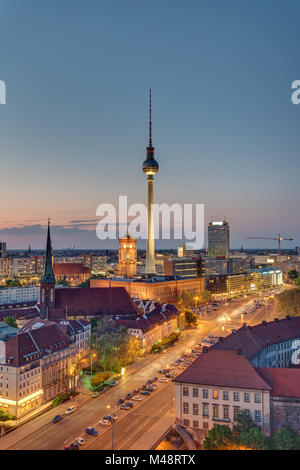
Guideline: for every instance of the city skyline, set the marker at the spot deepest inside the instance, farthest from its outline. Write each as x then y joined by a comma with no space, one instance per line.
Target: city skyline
75,120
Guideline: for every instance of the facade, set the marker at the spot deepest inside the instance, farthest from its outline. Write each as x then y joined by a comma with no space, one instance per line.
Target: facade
2,249
15,295
216,387
183,268
127,256
218,239
37,364
155,324
73,273
161,289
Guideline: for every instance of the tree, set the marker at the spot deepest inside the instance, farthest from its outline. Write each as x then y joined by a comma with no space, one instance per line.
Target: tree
285,439
5,416
63,282
85,283
243,423
13,283
10,321
190,317
220,437
254,439
293,274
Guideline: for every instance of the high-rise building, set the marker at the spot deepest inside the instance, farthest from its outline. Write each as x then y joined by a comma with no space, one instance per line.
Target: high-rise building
2,249
218,239
150,168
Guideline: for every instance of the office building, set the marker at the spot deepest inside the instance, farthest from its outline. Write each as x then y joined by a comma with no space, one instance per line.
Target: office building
218,239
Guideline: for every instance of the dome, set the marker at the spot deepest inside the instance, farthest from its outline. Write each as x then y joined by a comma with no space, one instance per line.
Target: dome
150,166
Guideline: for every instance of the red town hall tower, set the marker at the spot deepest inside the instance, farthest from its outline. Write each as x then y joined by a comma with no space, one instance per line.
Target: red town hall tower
48,280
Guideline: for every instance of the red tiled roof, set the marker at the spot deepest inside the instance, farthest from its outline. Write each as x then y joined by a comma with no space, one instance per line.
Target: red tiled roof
253,339
95,301
223,369
70,268
48,337
146,324
284,382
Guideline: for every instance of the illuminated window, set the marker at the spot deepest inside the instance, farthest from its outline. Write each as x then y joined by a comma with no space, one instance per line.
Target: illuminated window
215,394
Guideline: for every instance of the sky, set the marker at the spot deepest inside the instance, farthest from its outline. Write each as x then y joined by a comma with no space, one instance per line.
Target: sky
74,127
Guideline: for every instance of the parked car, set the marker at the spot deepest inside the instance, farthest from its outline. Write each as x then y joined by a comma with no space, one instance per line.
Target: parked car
144,392
91,431
95,395
80,441
111,417
73,446
124,407
128,403
149,381
154,379
137,398
149,389
70,410
120,401
113,384
57,418
163,380
128,396
105,422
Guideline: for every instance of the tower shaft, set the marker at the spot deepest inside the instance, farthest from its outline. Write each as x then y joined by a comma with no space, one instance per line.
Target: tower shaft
150,254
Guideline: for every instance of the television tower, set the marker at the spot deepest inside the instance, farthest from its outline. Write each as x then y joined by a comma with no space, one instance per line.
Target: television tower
150,168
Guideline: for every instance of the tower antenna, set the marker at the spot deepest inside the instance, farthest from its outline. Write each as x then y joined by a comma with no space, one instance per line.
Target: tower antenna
150,120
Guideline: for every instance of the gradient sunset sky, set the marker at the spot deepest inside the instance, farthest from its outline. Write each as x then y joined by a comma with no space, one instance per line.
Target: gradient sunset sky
74,130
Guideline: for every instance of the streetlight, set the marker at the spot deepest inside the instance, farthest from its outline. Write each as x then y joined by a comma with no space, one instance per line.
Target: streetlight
92,355
108,407
196,298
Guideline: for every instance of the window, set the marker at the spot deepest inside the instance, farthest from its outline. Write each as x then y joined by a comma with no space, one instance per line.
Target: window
257,398
185,408
225,395
247,412
204,410
289,416
186,422
247,397
235,412
257,416
226,412
185,391
195,424
215,394
236,396
205,425
215,411
195,409
195,392
205,393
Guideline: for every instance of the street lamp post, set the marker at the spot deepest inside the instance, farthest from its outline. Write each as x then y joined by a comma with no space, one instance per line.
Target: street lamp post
112,426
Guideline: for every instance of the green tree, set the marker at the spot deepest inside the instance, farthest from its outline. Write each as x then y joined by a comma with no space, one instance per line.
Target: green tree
4,416
10,321
190,317
13,283
285,439
220,437
63,282
243,423
293,274
254,439
85,283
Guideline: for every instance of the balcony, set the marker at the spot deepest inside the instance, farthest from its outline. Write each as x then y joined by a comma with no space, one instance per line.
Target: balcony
222,420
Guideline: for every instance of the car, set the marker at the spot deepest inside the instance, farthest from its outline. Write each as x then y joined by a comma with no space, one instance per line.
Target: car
128,403
149,381
80,441
111,417
113,384
144,392
137,398
57,418
105,422
95,395
163,380
91,431
135,391
149,389
169,376
124,407
154,379
160,371
70,410
128,396
73,446
120,401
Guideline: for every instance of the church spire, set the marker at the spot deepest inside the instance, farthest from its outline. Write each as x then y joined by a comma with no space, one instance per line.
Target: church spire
48,276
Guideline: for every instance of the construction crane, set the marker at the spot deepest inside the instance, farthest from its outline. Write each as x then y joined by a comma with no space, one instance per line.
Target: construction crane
278,239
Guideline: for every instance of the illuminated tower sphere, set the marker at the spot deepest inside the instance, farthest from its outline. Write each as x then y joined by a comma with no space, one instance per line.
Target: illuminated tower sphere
150,168
127,256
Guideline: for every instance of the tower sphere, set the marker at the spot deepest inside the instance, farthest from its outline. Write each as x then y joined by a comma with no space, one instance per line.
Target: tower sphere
150,166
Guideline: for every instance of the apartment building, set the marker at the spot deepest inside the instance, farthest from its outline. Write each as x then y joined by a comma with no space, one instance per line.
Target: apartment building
15,295
216,387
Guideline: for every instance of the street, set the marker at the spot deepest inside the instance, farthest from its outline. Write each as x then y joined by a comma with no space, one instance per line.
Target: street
41,433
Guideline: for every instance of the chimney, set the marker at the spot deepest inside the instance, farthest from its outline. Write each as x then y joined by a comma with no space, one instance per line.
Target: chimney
205,349
239,351
288,317
276,319
234,332
264,323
